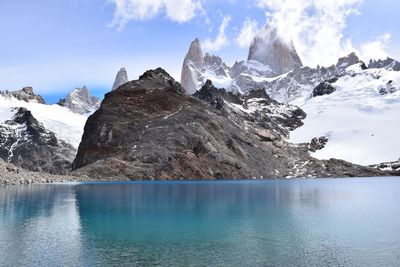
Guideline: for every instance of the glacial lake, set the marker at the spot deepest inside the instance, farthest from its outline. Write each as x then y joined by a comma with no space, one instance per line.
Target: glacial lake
320,222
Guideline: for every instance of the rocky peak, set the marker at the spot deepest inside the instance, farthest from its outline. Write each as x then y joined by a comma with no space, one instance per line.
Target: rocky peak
272,50
158,73
25,142
146,130
192,67
216,64
212,60
25,94
120,79
388,63
195,53
80,101
347,61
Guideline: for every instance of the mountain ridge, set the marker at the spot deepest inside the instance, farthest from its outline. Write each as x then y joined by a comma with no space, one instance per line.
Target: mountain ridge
151,129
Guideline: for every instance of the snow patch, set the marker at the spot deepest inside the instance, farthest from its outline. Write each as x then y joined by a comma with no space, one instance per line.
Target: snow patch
361,122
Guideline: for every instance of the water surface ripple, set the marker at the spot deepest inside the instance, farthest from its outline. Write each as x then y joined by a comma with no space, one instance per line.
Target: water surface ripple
323,222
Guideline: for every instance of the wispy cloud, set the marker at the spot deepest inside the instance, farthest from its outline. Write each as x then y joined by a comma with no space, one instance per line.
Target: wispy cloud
247,33
221,40
175,10
316,27
375,49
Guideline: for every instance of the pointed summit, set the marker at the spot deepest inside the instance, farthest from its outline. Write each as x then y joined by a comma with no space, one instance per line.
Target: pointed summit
271,49
192,67
120,79
80,101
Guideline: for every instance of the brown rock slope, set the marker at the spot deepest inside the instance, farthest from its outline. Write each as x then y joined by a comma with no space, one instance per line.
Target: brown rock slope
150,129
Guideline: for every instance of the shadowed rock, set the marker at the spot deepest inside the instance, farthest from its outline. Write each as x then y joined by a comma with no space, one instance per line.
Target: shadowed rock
151,129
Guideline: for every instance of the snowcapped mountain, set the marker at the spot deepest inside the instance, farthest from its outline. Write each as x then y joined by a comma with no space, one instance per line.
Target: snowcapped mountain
270,49
120,79
80,101
25,94
37,136
352,109
269,57
243,77
358,112
192,68
26,143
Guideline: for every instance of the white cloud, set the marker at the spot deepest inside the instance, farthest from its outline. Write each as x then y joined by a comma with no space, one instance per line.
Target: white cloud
247,33
375,49
175,10
316,27
221,40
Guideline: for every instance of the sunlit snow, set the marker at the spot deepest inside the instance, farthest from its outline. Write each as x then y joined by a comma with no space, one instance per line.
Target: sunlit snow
65,124
362,124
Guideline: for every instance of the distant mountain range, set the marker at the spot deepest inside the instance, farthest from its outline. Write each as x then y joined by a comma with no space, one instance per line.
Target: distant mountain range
352,104
265,117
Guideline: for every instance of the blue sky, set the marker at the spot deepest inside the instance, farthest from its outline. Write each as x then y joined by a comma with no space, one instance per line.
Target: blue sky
57,45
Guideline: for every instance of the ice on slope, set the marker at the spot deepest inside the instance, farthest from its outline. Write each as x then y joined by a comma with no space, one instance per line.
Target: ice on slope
65,124
363,125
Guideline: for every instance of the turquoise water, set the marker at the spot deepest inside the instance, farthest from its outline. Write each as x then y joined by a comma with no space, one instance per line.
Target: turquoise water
323,222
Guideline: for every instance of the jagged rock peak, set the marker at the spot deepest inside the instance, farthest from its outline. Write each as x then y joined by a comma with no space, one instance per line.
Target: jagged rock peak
347,61
80,101
269,48
27,143
192,67
388,63
158,73
25,94
212,59
195,53
120,79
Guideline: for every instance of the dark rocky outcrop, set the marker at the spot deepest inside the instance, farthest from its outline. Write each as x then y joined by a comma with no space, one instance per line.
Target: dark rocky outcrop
388,63
347,61
324,88
388,89
255,107
389,166
150,129
26,143
318,143
25,94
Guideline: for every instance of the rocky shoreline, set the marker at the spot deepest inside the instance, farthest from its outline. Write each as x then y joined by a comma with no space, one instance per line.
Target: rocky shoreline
13,175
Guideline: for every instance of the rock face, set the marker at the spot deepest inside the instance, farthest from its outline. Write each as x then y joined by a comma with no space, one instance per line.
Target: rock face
389,166
345,62
254,107
192,67
25,94
318,143
324,88
80,101
388,63
26,143
151,129
254,74
271,50
120,79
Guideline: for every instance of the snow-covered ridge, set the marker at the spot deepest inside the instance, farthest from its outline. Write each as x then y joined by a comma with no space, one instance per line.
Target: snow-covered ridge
67,125
360,118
